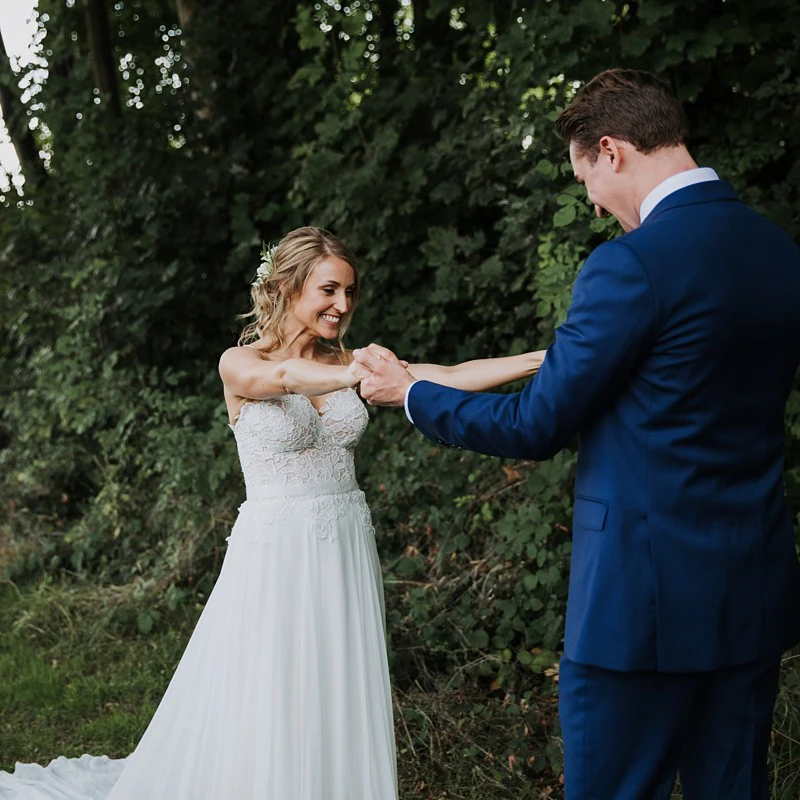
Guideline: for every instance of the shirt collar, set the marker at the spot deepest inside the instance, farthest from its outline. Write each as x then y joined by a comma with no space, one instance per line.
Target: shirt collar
679,181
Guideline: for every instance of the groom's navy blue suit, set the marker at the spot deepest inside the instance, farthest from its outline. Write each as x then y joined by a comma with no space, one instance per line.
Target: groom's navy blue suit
673,366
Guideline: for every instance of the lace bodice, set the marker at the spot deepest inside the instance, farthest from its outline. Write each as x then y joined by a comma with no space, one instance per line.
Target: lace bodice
286,441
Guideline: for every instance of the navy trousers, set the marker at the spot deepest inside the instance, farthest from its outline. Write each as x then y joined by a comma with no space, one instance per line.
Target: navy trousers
627,734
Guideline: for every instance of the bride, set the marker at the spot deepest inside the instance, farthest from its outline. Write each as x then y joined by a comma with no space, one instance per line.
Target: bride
283,691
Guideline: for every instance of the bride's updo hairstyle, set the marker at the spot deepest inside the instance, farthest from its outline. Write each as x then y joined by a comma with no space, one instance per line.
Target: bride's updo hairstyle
281,281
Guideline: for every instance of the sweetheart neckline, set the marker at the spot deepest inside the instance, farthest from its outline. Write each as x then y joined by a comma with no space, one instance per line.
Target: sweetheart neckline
319,412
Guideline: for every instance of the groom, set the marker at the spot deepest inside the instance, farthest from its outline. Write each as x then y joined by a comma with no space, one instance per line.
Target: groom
674,364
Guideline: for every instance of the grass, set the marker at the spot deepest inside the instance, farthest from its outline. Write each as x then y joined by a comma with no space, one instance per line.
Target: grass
78,690
785,750
71,685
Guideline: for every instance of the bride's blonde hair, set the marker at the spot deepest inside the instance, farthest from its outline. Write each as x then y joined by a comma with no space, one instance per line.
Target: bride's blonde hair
273,294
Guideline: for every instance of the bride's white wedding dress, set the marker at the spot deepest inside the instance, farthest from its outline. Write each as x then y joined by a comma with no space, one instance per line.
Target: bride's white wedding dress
283,690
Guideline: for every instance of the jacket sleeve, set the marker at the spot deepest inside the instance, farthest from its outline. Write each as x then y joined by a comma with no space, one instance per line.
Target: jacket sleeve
610,325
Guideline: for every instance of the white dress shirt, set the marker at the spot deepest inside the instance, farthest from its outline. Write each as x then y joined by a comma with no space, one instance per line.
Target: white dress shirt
678,181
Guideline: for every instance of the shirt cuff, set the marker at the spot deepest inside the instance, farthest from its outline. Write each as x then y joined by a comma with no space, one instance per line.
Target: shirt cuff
405,402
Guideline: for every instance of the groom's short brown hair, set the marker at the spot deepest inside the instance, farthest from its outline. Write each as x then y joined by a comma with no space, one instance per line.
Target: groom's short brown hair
628,104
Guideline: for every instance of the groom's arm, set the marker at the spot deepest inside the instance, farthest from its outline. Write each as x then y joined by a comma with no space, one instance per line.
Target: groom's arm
610,324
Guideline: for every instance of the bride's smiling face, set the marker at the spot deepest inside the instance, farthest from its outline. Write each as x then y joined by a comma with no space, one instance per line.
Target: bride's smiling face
327,298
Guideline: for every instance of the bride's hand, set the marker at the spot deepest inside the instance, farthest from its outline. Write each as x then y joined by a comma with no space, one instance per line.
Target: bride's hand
356,373
388,384
385,352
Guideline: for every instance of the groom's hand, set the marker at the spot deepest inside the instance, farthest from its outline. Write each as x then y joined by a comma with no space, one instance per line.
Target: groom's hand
389,381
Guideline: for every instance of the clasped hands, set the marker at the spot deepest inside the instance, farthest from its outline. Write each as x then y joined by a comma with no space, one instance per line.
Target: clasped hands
385,378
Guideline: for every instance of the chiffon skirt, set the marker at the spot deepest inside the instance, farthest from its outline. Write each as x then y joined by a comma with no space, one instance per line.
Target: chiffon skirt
283,690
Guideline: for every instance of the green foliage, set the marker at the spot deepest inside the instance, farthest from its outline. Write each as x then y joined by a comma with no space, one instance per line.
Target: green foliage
427,142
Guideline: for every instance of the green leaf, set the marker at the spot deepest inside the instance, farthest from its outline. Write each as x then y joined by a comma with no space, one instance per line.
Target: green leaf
547,168
525,658
479,639
145,620
564,216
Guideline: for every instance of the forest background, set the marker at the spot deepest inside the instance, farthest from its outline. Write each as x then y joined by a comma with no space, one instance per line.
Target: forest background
161,141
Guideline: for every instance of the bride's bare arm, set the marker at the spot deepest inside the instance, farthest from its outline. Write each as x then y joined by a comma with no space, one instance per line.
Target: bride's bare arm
473,376
245,374
481,374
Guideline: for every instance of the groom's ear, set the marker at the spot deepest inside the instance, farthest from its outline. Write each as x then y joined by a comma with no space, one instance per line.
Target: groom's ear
612,151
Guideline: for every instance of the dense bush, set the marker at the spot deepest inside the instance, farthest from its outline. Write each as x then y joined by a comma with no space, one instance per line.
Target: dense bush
420,132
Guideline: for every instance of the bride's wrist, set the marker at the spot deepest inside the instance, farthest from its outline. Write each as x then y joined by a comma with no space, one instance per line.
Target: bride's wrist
536,361
349,378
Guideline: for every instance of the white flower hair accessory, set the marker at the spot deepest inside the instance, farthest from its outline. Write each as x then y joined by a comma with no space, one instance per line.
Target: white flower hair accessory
267,263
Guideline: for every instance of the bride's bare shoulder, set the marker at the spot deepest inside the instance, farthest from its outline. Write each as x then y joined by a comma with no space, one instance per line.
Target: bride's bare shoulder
238,354
240,359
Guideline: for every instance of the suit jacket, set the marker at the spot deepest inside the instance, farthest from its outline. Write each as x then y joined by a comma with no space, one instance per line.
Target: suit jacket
674,364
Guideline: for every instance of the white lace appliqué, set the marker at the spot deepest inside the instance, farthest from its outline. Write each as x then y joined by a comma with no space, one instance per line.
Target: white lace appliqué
287,442
260,520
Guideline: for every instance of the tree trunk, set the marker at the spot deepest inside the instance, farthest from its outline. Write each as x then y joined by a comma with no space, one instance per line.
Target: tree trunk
388,8
104,67
186,10
17,120
435,31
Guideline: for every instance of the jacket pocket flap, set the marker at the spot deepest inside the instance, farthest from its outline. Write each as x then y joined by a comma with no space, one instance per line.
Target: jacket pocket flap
589,514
